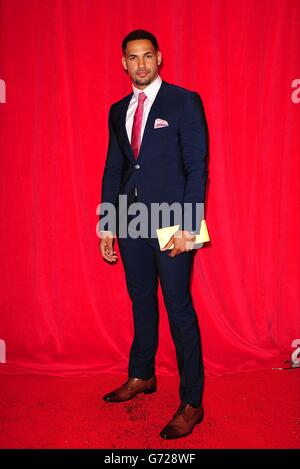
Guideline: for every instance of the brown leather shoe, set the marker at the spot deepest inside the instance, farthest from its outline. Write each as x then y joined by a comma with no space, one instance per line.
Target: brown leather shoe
183,421
131,388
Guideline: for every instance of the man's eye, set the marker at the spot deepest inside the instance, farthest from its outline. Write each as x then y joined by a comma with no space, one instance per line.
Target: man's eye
149,56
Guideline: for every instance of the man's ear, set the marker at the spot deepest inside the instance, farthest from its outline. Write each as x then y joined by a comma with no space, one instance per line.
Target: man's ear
159,57
124,63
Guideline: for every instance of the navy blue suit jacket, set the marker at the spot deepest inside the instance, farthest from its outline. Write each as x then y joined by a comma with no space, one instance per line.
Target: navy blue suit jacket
172,162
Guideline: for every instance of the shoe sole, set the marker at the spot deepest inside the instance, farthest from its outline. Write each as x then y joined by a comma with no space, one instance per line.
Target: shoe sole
147,391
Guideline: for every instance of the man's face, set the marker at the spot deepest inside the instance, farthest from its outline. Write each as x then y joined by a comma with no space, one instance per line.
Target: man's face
141,61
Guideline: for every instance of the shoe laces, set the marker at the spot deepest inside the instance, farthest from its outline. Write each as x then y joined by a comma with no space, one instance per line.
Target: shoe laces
180,410
127,382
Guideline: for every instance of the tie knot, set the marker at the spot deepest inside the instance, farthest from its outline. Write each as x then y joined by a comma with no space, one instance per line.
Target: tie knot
142,97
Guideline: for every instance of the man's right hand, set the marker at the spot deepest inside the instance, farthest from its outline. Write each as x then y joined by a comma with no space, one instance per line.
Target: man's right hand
106,247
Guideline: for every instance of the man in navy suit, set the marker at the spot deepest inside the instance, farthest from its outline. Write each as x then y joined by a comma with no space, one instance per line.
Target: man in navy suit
157,153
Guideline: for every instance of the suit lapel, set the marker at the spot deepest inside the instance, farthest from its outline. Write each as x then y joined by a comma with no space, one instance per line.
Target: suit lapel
153,114
122,126
149,127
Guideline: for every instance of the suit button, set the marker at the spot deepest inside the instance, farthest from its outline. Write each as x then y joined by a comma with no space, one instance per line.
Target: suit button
137,166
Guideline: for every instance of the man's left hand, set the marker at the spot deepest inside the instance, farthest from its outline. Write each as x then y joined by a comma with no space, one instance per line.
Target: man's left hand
183,242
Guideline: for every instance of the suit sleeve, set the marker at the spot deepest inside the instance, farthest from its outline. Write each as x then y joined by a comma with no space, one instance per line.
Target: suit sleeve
194,146
112,175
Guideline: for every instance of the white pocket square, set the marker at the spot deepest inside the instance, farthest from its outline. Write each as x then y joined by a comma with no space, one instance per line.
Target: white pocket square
160,123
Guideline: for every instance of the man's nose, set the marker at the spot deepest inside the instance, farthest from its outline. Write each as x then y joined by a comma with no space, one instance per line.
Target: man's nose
141,63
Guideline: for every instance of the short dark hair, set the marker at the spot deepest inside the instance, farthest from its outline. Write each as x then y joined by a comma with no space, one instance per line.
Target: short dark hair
139,34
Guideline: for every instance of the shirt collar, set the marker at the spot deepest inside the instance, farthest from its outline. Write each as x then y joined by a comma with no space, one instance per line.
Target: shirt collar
150,90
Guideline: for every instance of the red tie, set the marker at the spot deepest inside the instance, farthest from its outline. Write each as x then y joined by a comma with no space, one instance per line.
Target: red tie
137,125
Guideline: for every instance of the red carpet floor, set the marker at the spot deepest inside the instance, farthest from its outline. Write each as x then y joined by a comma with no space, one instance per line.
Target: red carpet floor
246,410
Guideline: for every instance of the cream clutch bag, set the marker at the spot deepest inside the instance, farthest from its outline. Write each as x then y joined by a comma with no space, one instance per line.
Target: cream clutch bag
164,234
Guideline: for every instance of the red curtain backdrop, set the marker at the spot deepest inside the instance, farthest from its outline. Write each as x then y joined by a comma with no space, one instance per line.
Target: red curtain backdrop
63,309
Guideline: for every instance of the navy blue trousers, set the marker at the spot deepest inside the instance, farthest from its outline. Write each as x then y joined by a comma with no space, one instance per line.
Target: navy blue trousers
144,263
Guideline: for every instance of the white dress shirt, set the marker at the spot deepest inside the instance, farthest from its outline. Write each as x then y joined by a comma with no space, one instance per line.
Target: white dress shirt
151,92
